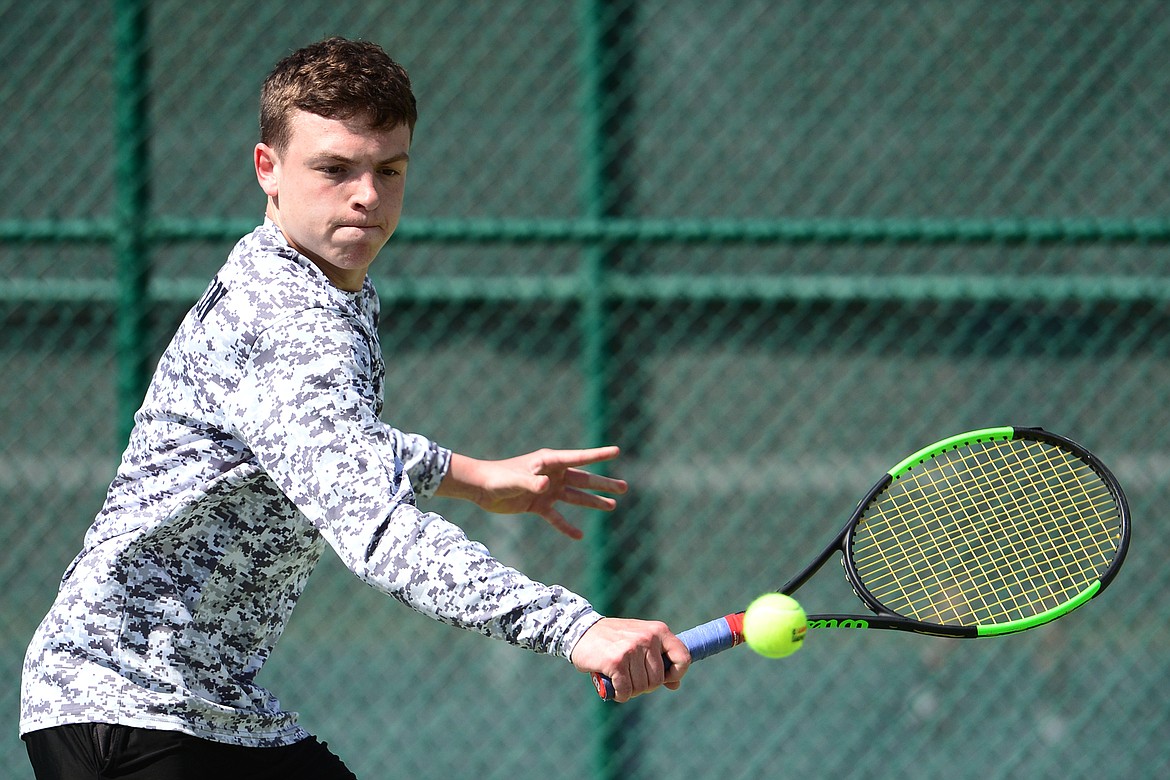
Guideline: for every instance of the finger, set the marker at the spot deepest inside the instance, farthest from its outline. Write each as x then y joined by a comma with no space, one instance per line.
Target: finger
558,521
649,671
655,669
587,480
622,691
588,500
539,483
570,458
640,676
678,657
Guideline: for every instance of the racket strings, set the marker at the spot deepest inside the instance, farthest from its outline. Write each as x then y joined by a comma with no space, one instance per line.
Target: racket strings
997,538
1003,545
987,533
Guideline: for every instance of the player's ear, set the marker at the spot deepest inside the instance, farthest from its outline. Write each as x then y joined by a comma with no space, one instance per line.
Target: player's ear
267,169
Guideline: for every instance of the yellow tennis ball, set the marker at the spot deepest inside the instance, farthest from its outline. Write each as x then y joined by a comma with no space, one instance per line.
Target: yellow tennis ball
774,625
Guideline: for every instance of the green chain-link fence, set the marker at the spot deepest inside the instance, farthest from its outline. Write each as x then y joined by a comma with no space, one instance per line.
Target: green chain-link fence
767,247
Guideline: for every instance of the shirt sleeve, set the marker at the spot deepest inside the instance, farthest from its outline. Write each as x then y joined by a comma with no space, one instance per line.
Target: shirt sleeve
305,407
424,461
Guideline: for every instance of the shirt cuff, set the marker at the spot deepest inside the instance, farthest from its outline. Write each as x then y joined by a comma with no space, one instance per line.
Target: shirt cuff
433,466
569,641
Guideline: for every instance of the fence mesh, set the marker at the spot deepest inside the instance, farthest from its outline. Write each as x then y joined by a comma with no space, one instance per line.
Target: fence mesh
767,247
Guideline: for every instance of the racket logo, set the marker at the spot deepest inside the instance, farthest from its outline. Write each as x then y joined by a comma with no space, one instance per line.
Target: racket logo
852,623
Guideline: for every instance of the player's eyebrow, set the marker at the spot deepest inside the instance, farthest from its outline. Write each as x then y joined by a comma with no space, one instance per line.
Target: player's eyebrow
340,158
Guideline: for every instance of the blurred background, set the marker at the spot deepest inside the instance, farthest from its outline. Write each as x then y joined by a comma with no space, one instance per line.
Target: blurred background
769,248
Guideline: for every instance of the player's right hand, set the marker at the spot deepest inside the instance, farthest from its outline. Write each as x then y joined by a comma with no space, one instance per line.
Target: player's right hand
637,656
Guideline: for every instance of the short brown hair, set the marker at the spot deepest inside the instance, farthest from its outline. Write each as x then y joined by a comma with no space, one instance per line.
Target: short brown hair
337,79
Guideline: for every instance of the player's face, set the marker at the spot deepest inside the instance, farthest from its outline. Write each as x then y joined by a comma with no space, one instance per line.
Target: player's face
336,191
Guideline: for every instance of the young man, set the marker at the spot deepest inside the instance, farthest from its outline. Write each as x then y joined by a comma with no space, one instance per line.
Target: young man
258,443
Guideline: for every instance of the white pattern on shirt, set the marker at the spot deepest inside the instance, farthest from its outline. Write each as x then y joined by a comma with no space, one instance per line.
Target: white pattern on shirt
259,442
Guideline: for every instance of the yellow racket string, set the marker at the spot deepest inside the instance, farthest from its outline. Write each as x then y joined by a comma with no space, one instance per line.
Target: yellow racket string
987,533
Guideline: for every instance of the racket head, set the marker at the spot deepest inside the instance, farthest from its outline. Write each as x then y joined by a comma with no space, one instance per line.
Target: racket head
988,533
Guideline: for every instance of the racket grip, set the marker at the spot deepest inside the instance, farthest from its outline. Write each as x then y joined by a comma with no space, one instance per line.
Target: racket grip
702,641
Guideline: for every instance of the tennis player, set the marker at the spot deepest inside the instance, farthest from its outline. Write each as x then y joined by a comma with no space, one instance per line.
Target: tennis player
260,442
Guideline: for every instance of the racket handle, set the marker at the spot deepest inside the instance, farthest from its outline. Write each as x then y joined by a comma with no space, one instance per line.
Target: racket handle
702,641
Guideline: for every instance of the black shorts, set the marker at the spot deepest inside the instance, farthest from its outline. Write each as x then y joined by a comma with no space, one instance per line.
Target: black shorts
96,751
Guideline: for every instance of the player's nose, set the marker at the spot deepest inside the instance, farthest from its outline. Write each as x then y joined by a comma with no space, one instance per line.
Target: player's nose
365,193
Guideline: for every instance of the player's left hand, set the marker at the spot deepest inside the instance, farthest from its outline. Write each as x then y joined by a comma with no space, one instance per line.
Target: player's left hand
536,482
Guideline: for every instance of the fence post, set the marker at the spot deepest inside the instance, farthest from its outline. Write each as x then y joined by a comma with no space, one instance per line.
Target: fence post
132,195
605,23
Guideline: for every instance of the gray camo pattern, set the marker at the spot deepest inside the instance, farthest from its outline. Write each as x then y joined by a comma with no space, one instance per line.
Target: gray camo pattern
258,443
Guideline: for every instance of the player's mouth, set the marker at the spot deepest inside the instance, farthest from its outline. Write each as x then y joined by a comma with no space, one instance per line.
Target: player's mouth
364,227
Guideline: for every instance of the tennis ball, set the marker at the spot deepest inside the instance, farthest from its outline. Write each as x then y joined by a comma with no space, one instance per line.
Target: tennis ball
774,625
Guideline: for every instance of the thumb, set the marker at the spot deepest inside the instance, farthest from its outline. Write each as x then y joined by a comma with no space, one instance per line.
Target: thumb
539,484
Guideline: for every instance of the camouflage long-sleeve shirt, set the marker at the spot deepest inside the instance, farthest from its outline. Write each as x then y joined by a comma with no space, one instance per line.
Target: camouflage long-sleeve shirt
260,441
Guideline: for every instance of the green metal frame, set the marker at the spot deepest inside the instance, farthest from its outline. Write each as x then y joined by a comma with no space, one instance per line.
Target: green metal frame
131,205
600,231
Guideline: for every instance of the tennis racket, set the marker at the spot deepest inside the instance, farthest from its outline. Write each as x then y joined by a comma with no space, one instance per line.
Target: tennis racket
982,534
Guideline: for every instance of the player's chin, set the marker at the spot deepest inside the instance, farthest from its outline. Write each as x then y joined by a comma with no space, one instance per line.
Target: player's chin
358,253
